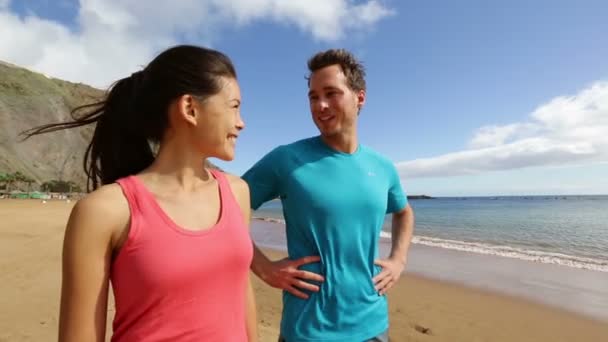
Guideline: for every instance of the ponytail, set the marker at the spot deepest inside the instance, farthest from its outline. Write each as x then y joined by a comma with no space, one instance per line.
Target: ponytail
134,112
118,148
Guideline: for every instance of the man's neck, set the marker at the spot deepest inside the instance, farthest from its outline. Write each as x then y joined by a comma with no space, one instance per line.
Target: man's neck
342,143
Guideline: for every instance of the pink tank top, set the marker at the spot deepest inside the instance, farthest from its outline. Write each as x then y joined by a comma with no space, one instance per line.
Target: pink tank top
173,284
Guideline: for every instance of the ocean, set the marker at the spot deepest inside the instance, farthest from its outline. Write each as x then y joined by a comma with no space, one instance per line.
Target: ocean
570,231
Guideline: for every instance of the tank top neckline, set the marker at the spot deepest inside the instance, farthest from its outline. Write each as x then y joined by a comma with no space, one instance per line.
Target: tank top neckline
171,223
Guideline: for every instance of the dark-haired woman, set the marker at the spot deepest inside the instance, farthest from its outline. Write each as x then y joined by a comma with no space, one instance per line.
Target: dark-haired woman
169,234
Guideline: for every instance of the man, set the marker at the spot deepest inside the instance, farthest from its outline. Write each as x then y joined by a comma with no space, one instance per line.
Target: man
335,194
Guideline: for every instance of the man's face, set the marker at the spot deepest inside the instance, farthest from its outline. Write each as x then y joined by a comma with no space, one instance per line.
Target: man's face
334,106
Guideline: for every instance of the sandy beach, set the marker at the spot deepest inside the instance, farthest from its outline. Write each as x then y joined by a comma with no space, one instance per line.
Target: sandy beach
421,308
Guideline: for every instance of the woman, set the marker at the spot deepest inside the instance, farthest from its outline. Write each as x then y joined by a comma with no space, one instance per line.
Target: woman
167,232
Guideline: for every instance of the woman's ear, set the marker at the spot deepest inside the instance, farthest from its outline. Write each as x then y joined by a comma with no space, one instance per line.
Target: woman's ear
188,109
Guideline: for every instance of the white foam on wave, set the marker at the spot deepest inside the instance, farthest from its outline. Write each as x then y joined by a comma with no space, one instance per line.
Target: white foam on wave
269,219
502,251
511,252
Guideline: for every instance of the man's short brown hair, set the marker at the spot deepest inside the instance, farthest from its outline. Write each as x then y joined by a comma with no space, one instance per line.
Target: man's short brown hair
352,68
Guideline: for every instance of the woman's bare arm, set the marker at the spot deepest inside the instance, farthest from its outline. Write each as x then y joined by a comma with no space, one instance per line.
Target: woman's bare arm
241,191
94,223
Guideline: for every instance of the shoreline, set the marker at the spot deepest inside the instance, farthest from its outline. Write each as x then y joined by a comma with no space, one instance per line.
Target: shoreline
424,309
544,257
579,291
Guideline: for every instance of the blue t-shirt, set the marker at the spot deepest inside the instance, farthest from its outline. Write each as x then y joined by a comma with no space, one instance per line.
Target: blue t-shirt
334,206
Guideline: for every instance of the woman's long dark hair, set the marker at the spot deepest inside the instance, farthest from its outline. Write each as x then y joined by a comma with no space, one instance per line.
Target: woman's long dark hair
134,111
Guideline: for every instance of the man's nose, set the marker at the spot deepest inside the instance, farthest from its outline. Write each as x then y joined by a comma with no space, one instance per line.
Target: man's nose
323,104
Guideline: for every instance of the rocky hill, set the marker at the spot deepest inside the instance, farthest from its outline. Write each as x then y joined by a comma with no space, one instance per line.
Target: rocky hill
29,99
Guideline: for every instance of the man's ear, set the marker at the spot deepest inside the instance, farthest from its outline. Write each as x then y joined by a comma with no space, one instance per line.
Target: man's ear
361,98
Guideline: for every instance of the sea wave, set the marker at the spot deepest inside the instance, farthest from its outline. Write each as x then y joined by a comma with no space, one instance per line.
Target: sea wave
511,252
269,219
497,250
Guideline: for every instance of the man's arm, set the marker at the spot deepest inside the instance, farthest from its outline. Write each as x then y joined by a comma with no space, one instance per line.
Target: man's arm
264,181
402,231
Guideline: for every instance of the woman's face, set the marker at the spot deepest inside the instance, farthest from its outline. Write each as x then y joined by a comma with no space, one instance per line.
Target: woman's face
219,121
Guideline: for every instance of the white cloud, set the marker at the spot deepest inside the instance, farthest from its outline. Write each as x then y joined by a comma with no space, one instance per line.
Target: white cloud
369,13
325,19
489,136
115,38
565,131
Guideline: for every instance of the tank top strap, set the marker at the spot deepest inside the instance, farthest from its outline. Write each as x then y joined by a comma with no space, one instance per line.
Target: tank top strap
132,193
220,177
228,200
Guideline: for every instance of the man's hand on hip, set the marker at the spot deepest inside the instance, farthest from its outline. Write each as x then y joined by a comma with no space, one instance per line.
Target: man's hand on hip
391,272
284,274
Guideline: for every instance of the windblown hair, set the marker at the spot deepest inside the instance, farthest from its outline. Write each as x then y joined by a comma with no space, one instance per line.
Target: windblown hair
134,113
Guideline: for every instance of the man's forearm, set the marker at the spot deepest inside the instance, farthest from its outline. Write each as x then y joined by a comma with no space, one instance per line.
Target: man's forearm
402,232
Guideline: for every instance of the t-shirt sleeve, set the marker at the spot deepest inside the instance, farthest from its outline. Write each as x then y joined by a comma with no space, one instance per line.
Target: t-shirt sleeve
263,179
397,199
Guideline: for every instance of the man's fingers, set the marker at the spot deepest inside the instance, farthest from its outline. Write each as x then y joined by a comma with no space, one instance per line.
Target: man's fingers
306,286
306,260
380,276
308,275
380,262
296,292
381,284
387,287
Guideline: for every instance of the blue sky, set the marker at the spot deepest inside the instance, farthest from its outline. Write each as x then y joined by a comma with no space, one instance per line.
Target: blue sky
467,97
